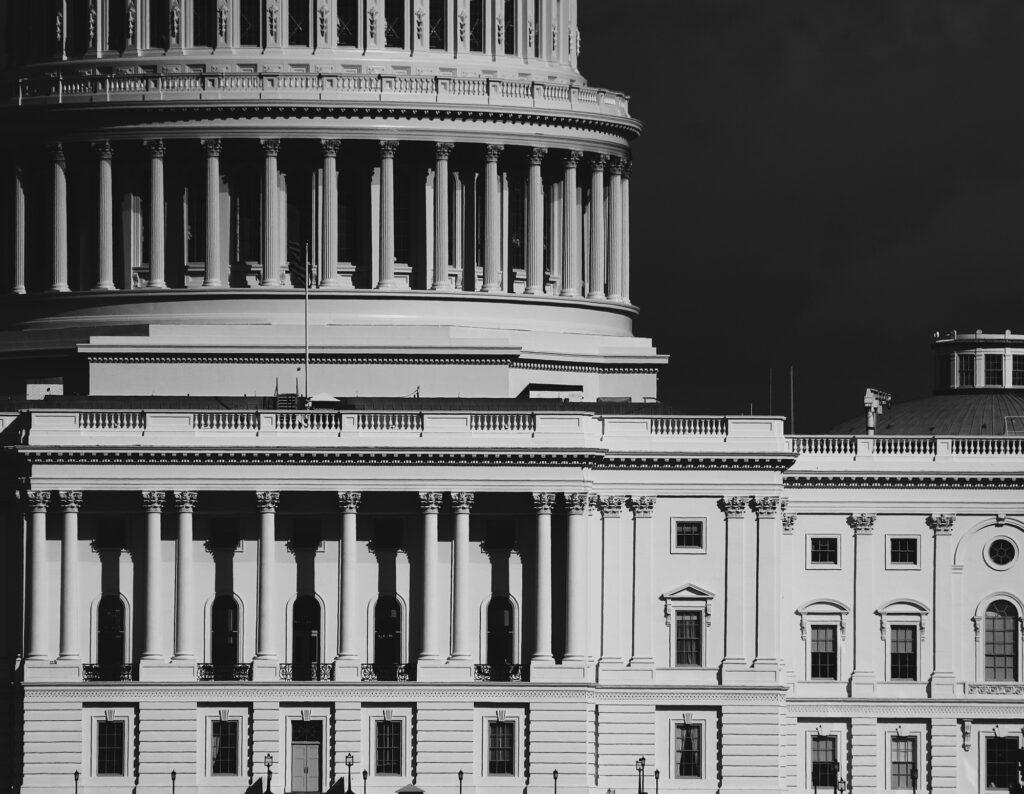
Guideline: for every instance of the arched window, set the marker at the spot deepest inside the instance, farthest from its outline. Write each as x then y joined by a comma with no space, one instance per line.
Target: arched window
1002,640
159,21
500,633
80,27
110,636
305,638
224,636
387,631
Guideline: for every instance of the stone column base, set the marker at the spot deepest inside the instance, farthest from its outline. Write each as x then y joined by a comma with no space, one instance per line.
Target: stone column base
347,670
53,671
266,670
561,673
862,684
942,685
443,670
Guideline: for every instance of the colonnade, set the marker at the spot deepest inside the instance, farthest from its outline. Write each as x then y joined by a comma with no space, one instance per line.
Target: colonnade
558,257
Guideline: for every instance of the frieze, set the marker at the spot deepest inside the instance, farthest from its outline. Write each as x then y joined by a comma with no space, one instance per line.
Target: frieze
995,689
903,481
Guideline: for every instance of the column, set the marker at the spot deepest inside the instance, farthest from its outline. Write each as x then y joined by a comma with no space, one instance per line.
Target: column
611,592
570,227
388,149
865,627
70,504
492,220
266,648
543,503
615,229
626,171
442,151
59,249
462,623
735,509
184,608
211,147
271,233
329,257
157,275
35,641
458,230
430,504
768,593
643,570
18,276
535,224
348,593
597,233
105,234
577,505
153,632
942,680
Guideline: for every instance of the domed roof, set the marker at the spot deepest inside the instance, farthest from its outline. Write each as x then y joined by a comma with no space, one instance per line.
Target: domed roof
978,413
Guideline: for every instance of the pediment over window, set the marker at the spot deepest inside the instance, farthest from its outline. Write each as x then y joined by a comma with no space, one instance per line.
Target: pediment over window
688,596
903,610
823,610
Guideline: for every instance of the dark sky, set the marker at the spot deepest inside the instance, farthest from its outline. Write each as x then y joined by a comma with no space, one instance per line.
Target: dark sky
820,183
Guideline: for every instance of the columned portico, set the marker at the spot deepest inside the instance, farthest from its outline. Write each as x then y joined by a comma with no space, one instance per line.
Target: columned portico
862,682
264,666
153,650
346,664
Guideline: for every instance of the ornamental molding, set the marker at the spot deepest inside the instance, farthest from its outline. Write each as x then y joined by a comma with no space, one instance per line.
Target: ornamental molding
388,149
329,147
995,689
70,501
734,507
431,502
788,523
271,146
153,501
443,150
642,506
186,501
536,155
156,147
941,523
223,14
901,708
211,146
960,481
131,19
544,503
37,501
492,152
611,506
571,159
348,501
767,506
462,501
689,595
267,501
862,523
267,358
577,503
324,18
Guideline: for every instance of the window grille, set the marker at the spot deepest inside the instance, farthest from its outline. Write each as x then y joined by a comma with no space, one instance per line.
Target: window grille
965,370
689,535
224,747
1001,641
1001,551
687,751
476,25
438,24
824,551
394,24
903,762
110,748
824,771
1002,763
824,653
250,19
1017,378
511,28
501,748
903,551
993,370
389,747
688,639
348,23
903,653
202,23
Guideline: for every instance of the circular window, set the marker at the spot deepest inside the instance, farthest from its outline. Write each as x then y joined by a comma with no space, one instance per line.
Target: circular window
1001,552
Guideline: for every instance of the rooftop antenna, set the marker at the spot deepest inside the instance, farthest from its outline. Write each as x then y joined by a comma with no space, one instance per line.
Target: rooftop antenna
875,401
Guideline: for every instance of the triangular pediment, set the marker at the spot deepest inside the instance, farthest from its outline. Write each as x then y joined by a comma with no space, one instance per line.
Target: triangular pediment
688,592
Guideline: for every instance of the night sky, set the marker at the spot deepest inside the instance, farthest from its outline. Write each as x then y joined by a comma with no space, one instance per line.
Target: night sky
823,184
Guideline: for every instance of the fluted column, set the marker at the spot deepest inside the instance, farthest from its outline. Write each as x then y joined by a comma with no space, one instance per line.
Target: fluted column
627,169
105,233
348,631
462,624
598,261
643,573
157,227
442,151
70,504
184,607
271,231
942,681
577,505
535,225
329,147
615,168
430,504
59,219
18,269
570,227
266,648
768,592
388,149
154,629
492,220
543,503
864,618
211,147
735,509
35,641
611,592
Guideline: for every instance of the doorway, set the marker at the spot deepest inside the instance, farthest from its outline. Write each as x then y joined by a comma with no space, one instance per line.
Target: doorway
307,744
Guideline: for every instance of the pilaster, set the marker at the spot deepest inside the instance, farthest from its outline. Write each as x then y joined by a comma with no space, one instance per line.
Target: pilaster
612,591
738,613
862,682
943,679
864,751
642,658
766,661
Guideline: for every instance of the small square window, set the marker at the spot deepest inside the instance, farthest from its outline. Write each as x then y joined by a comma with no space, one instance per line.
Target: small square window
994,370
687,751
501,743
388,755
824,551
224,747
110,748
687,535
903,552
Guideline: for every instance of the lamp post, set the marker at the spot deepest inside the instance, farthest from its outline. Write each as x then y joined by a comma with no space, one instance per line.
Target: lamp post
77,775
657,780
641,762
554,776
268,762
348,762
365,775
174,777
460,781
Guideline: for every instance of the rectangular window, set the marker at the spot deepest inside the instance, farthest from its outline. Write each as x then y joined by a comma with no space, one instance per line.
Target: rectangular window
825,551
1000,646
536,28
994,370
389,747
159,19
501,738
224,747
824,653
110,748
824,771
511,29
903,653
202,23
903,762
687,751
348,23
688,639
250,18
1002,762
689,535
965,370
394,23
298,23
1018,371
476,25
116,30
438,24
903,551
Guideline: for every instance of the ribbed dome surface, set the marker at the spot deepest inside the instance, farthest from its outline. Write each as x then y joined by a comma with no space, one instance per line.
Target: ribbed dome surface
994,413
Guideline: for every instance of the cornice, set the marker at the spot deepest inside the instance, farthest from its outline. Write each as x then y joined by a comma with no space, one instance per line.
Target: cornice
892,481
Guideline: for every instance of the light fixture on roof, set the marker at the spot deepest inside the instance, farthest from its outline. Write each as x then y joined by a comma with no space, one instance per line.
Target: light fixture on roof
875,401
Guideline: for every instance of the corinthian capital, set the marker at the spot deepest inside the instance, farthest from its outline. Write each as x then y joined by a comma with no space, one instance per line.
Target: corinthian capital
536,156
153,501
70,501
572,158
862,523
462,501
942,524
642,506
431,501
577,503
156,147
329,147
544,502
211,146
37,501
492,152
443,150
268,501
611,506
348,501
766,506
185,501
388,149
104,150
734,506
271,146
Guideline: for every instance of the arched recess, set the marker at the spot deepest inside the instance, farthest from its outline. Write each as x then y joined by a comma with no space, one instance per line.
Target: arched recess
1002,620
289,625
517,634
1004,524
393,599
209,626
94,627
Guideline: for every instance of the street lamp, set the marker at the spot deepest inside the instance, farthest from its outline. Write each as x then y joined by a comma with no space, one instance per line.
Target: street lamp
641,762
268,762
174,777
77,775
460,781
365,775
349,760
657,779
554,775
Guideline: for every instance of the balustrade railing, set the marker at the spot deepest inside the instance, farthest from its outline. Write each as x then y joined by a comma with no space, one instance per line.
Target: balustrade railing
108,672
224,672
226,420
902,445
503,423
308,420
384,672
391,421
824,445
990,445
498,672
307,672
689,426
112,420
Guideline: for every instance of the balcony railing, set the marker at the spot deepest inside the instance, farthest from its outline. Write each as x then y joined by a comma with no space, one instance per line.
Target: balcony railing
224,672
384,672
498,672
908,446
307,672
108,672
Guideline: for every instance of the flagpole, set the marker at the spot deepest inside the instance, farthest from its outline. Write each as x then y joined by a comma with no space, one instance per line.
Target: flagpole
305,324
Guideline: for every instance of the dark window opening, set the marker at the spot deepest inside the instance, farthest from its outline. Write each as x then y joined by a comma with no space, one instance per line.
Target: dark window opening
159,20
517,224
348,23
689,535
305,638
403,221
117,19
511,28
203,23
536,28
824,551
224,747
687,751
388,755
1001,642
250,23
994,370
824,653
903,551
387,631
438,24
904,762
476,25
110,748
110,636
224,634
298,23
1018,371
824,770
903,653
965,370
501,737
77,28
394,25
1001,551
1002,763
500,632
688,639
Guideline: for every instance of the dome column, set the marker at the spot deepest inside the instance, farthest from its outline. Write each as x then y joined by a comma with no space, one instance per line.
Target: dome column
626,170
492,220
346,665
212,148
270,240
157,274
18,275
105,277
535,225
59,208
570,227
388,149
329,257
442,151
615,229
597,230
